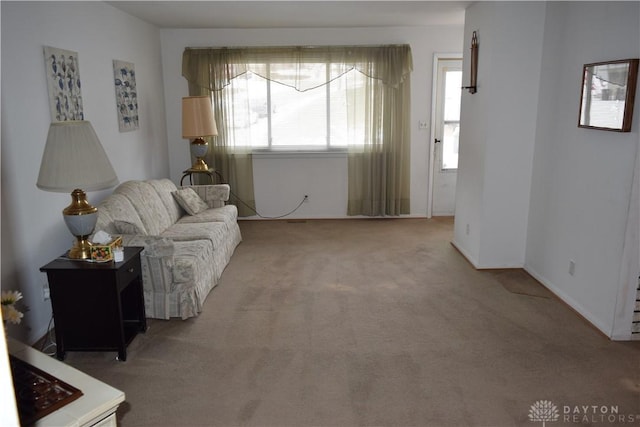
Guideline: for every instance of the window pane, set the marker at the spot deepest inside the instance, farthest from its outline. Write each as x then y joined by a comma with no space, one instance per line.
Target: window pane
248,120
450,145
260,110
452,95
299,118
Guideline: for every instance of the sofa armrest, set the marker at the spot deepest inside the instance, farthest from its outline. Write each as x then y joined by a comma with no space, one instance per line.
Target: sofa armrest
215,195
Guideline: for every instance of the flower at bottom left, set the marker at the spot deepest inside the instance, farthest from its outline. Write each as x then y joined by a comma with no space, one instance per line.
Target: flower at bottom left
8,301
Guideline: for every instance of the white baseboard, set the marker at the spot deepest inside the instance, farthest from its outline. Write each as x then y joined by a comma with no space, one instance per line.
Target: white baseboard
577,307
312,217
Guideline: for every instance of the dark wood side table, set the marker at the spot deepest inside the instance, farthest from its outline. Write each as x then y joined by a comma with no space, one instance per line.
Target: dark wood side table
97,306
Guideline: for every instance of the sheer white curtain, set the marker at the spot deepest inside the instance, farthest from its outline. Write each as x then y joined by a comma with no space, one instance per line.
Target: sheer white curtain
379,180
378,162
208,73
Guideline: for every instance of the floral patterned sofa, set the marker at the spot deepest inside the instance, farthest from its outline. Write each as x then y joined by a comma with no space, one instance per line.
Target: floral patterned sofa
188,233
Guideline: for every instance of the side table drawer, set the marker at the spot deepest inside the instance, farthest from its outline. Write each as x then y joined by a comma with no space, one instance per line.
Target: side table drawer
129,271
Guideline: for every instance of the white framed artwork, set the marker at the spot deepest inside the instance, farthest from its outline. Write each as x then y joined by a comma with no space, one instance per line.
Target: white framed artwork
63,82
124,76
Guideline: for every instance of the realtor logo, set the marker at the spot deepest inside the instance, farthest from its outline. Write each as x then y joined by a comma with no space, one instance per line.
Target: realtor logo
543,410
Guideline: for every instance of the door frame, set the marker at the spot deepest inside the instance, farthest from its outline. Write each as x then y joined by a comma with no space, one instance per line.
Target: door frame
432,134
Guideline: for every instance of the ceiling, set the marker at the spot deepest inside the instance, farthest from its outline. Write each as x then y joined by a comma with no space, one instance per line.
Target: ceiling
294,14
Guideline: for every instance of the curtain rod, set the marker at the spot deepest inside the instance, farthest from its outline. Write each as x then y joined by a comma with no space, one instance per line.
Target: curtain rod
291,47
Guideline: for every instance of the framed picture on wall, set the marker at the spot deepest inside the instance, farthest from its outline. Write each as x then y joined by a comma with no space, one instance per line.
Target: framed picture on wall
126,95
608,92
63,83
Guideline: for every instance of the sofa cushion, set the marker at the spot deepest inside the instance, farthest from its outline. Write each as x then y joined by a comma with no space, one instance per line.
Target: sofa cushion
214,195
148,204
214,232
227,214
164,188
117,207
190,201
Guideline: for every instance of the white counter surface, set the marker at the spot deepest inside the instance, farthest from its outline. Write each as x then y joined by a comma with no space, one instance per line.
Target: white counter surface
98,402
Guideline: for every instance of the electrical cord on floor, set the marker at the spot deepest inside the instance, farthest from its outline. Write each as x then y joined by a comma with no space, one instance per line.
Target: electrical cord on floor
49,341
269,217
304,199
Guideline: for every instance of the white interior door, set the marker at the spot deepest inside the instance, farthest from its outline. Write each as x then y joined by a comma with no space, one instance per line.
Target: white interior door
446,130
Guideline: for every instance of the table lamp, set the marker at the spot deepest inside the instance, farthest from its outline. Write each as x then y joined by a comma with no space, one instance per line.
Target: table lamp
197,123
73,158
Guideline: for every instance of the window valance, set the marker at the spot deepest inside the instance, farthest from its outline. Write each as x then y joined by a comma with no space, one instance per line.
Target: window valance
214,68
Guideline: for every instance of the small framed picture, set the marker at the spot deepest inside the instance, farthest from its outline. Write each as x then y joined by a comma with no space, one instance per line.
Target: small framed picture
124,76
63,82
608,92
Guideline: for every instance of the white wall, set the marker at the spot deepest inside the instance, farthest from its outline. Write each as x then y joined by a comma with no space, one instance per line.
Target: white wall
321,176
582,178
497,132
281,182
33,232
534,189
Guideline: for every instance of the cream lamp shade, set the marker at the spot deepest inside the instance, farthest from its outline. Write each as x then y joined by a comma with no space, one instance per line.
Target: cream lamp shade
74,161
198,122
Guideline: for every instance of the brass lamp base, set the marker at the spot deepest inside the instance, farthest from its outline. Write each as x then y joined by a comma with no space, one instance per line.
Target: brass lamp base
200,165
81,219
81,249
199,149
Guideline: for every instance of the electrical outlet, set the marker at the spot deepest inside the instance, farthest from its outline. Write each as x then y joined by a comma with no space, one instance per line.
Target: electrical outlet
572,267
467,229
306,198
46,294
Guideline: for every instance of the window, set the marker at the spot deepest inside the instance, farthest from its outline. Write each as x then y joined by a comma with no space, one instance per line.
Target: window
344,96
266,114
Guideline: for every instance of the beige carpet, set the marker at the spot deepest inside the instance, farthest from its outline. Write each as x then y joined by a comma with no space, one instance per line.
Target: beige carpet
368,323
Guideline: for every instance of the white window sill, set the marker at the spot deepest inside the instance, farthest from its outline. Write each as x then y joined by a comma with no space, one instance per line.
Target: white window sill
292,153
